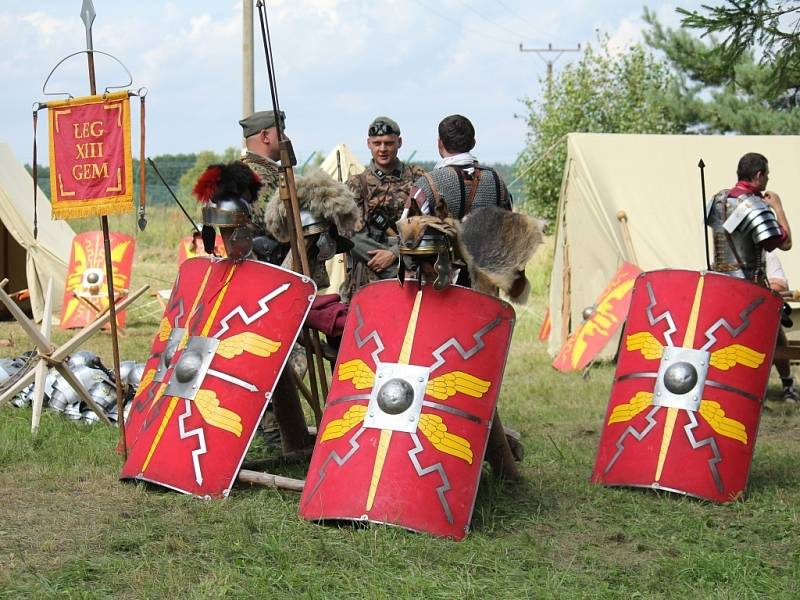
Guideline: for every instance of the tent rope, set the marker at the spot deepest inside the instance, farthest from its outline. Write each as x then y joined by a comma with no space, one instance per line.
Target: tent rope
544,155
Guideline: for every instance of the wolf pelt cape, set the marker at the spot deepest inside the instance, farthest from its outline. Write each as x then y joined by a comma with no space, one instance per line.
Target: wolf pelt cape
324,197
496,244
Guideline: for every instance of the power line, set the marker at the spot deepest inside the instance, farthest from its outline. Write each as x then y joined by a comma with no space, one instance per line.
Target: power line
459,24
492,22
537,27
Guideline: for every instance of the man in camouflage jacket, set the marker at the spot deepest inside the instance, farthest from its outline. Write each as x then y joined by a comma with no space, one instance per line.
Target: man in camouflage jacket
262,155
382,192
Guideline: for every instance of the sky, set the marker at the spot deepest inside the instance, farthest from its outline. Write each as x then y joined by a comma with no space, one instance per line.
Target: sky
339,64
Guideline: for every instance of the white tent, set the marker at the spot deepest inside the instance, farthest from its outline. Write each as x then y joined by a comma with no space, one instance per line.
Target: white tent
27,262
350,165
655,180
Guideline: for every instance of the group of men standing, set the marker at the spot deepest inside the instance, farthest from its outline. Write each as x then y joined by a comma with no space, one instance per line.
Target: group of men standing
388,189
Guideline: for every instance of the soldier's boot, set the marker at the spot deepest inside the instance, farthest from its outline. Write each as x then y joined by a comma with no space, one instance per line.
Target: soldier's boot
498,452
289,415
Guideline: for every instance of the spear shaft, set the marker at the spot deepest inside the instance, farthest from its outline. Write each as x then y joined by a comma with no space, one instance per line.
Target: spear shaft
174,197
288,194
87,16
701,165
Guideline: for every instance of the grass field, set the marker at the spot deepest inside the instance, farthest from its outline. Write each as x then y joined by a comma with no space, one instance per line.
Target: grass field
69,528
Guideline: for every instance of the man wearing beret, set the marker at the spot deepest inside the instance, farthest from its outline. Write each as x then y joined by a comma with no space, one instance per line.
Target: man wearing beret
381,191
262,155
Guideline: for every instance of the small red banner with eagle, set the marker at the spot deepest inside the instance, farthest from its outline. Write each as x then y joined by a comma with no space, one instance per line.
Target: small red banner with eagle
90,156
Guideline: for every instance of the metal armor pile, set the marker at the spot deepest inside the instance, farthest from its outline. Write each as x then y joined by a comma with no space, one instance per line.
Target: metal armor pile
96,378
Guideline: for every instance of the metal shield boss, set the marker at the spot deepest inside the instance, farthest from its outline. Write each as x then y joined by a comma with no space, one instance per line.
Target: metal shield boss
693,368
407,418
86,288
224,340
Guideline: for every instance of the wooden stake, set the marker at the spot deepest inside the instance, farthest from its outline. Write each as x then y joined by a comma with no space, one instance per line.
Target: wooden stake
41,367
626,236
271,481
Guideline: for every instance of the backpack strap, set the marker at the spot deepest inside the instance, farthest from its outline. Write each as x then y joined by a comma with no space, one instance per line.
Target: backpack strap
476,179
437,197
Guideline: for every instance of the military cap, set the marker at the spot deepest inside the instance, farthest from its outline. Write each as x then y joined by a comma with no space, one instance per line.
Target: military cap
383,126
263,119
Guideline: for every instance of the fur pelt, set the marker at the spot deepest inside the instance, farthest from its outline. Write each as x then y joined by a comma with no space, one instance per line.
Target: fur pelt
318,192
496,244
412,229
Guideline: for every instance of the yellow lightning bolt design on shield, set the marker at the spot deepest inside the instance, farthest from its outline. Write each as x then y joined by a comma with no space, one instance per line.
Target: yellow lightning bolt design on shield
174,400
447,385
386,434
434,428
722,359
625,412
359,372
688,342
339,427
729,356
247,342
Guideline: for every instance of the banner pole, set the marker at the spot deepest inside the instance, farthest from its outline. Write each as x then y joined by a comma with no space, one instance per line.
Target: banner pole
87,16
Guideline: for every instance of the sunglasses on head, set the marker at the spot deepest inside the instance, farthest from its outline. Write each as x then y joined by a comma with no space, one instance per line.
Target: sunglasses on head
381,128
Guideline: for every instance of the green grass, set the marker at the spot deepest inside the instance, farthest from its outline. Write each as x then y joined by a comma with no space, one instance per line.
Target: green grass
69,528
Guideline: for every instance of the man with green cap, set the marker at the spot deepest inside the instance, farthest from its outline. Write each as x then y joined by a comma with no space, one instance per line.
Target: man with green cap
381,192
262,155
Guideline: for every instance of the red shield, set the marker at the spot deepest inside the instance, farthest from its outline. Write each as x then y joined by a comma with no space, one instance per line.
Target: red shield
693,368
222,344
192,246
607,315
86,290
407,418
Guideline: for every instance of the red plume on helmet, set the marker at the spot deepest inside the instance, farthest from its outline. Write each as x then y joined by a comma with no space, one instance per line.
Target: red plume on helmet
234,179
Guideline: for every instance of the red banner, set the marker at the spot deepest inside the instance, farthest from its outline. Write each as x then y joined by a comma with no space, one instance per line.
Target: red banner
90,156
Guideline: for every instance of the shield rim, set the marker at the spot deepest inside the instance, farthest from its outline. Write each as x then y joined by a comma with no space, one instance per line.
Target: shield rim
512,320
769,354
226,492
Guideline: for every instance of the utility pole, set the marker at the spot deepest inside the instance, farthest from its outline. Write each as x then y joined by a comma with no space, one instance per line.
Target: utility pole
248,99
540,52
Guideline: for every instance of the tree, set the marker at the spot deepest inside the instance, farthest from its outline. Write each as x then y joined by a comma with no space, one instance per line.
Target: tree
711,95
603,92
748,24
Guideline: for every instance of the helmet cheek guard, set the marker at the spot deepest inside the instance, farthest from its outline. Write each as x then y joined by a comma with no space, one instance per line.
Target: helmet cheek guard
232,216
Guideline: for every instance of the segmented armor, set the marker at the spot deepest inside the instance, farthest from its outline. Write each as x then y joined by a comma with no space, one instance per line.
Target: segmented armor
740,225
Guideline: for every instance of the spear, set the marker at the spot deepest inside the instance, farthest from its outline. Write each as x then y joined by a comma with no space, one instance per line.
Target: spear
174,197
288,194
701,165
87,16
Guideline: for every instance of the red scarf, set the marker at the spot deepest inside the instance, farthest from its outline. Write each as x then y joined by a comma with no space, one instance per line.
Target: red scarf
743,187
